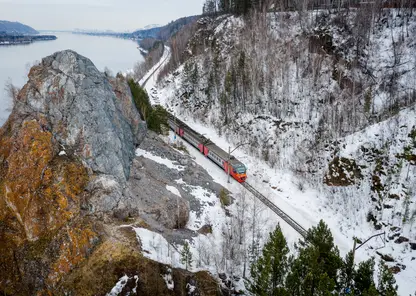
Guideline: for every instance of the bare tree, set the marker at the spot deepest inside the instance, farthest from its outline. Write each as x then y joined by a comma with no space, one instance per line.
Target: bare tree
108,72
12,91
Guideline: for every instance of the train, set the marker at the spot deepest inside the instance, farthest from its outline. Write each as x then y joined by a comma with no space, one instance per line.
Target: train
233,166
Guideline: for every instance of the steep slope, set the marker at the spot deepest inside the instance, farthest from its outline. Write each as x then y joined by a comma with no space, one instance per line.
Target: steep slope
16,28
163,32
70,179
326,97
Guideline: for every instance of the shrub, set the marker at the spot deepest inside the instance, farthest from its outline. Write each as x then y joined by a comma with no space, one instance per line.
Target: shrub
224,198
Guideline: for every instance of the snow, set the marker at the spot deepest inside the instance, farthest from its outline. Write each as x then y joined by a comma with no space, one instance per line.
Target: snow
305,205
170,284
191,289
151,76
144,51
174,190
118,288
158,159
344,209
157,248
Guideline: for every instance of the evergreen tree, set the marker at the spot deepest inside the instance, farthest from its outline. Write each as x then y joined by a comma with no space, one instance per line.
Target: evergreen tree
186,256
210,7
141,99
371,291
224,6
195,76
157,120
315,271
157,117
347,273
363,277
386,282
269,271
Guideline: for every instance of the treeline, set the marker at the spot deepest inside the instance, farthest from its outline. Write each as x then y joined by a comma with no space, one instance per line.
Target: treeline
166,32
212,7
317,269
155,117
233,6
179,43
155,52
24,39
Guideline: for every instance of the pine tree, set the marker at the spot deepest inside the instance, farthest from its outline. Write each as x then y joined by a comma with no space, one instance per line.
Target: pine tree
363,277
186,256
315,271
269,271
386,282
194,76
371,291
347,272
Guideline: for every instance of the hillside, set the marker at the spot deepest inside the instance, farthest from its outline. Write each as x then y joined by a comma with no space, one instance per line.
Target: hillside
325,97
16,28
100,182
163,32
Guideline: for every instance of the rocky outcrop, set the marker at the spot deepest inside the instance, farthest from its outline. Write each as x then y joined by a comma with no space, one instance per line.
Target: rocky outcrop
68,179
66,129
79,105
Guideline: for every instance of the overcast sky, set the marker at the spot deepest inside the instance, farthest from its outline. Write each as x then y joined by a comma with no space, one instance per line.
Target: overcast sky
96,14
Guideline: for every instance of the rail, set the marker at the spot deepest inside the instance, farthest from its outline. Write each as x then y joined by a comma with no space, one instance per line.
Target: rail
285,217
157,68
276,209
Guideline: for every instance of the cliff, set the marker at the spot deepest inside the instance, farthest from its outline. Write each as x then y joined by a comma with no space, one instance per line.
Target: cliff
69,180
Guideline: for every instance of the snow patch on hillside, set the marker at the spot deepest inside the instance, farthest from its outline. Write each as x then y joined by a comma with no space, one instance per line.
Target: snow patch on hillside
158,159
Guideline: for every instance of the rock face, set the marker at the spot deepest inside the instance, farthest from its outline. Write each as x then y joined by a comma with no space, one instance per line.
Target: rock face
80,106
67,128
69,178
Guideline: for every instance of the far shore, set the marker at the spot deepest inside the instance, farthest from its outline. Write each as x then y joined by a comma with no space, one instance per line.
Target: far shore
24,39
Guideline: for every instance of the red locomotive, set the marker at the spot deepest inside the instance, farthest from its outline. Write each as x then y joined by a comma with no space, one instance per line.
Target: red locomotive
236,168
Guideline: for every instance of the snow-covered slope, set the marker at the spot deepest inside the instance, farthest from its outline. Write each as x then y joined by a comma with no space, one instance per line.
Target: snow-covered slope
327,103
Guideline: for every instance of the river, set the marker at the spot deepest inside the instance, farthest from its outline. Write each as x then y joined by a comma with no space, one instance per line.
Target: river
15,61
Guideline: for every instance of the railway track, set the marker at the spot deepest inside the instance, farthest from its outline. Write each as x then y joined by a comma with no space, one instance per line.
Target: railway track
154,71
285,217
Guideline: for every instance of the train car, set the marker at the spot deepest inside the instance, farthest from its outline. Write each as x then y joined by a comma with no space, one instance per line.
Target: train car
236,168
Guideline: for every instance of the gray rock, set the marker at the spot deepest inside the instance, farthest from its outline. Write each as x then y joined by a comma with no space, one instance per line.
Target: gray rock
84,113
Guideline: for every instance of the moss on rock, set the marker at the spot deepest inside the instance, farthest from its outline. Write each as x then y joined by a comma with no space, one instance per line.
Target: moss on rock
342,172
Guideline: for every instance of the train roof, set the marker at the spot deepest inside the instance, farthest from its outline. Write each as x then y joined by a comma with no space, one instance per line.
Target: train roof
224,155
211,146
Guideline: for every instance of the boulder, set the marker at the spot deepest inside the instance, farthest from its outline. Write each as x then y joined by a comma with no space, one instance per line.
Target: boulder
401,239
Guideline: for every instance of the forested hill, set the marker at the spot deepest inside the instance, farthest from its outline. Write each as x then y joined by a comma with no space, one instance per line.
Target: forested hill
16,28
165,32
325,93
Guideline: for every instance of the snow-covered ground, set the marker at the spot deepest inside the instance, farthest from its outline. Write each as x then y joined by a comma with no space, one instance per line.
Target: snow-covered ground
165,161
151,76
206,247
304,204
118,288
343,209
